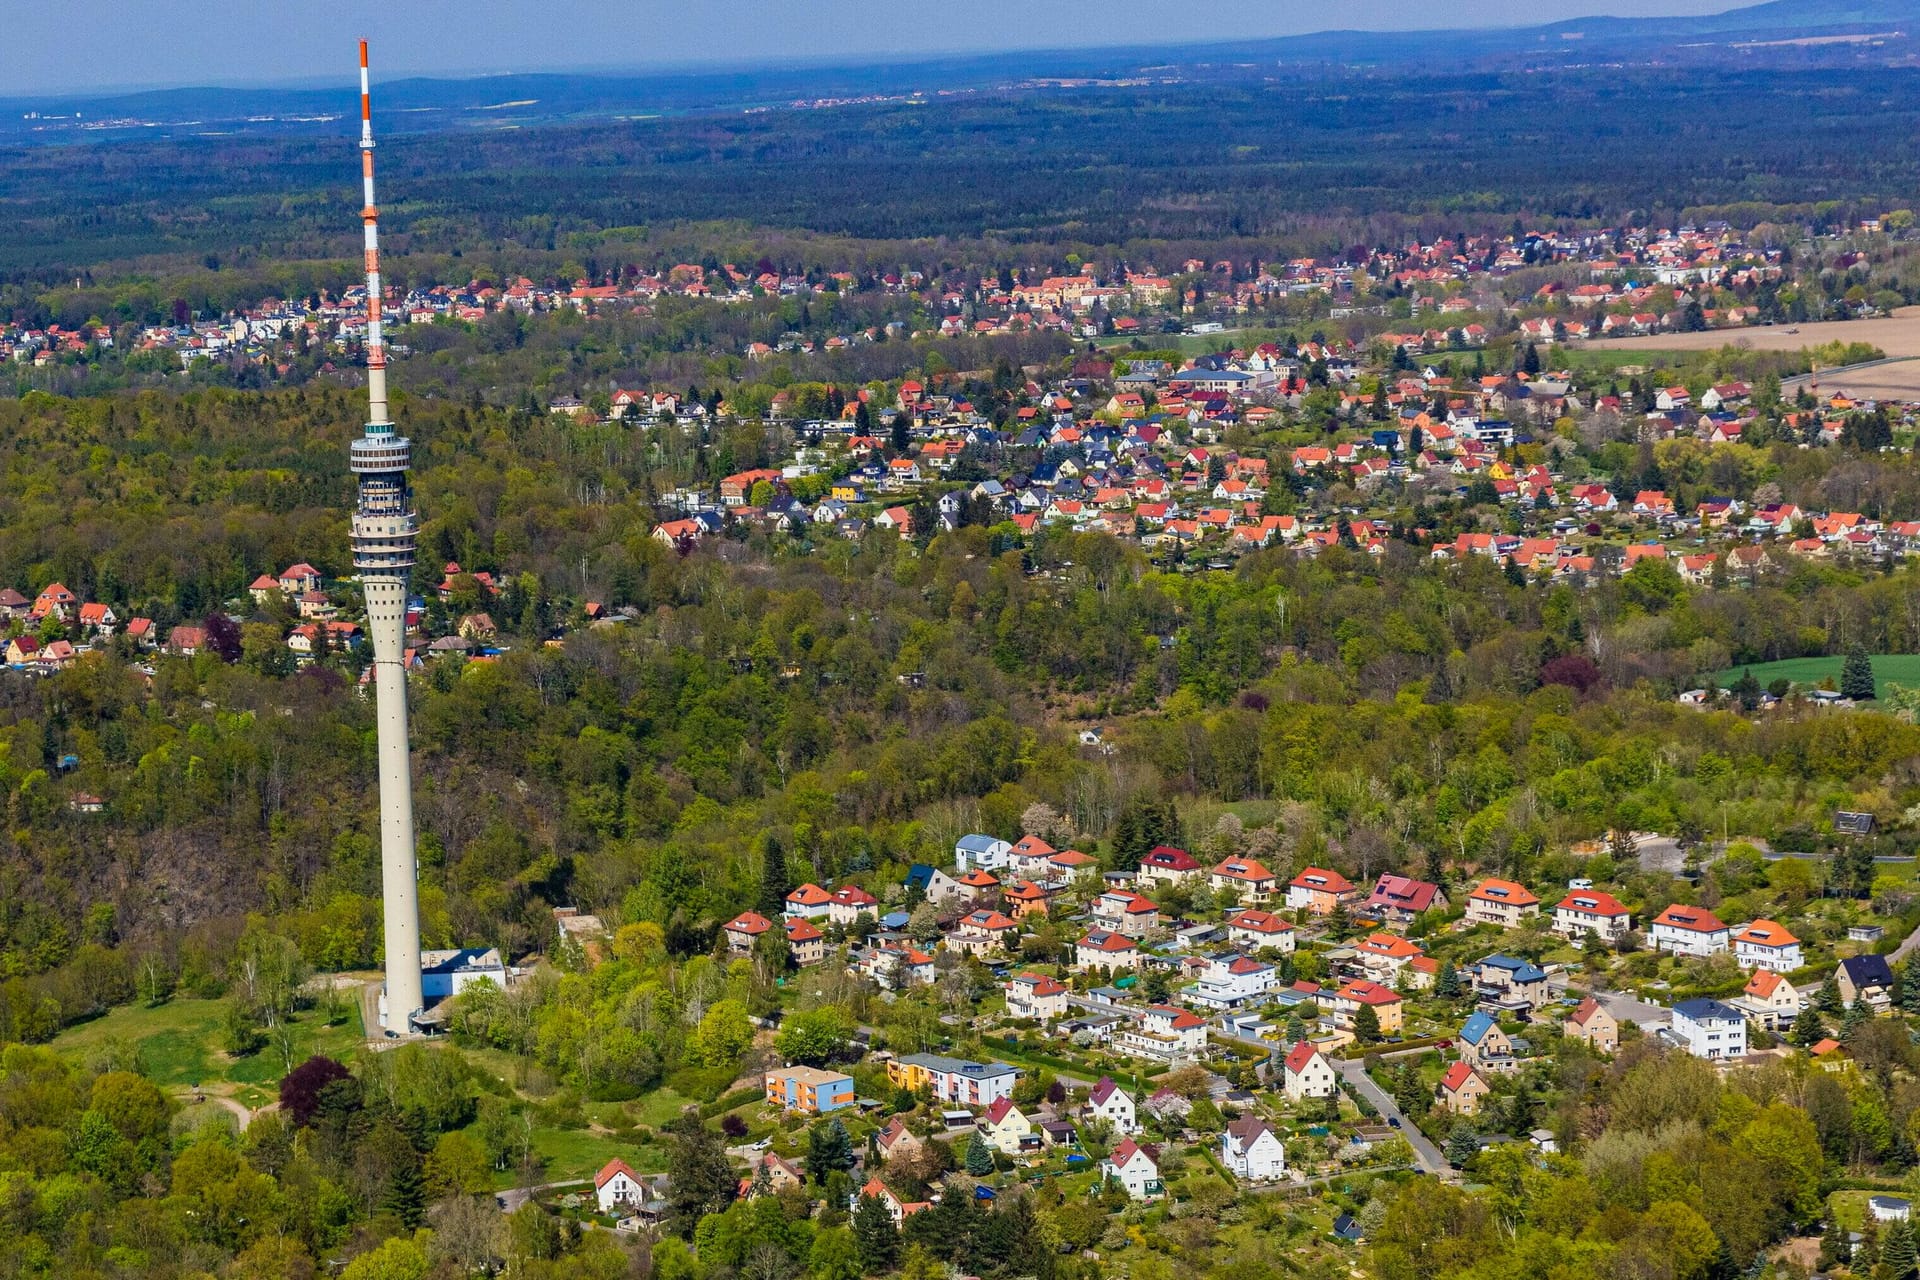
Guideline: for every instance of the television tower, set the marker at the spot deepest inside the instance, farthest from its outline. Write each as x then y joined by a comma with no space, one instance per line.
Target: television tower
384,529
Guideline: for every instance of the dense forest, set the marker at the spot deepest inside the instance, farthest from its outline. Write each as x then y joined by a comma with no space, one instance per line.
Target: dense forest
1295,165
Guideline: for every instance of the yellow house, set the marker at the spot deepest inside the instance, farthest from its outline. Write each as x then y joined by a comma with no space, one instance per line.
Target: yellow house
1005,1127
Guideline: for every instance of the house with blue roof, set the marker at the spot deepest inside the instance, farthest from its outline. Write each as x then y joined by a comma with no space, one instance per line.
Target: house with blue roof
981,853
1510,982
1484,1045
934,884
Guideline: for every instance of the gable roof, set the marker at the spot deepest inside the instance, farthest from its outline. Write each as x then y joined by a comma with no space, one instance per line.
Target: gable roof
1299,1056
1584,1014
1476,1027
1869,970
1457,1077
612,1169
1495,890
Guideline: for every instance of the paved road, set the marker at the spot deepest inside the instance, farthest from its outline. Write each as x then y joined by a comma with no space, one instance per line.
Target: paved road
514,1197
1907,944
1353,1072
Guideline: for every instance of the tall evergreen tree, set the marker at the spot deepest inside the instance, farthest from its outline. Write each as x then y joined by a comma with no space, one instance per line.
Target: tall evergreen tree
700,1177
829,1148
775,882
1808,1030
876,1239
979,1156
1897,1251
1856,676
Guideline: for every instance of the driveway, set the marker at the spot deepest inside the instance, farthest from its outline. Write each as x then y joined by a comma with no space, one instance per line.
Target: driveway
1353,1073
1623,1007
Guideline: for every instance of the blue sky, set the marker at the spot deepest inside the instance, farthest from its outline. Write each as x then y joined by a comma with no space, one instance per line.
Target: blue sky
49,46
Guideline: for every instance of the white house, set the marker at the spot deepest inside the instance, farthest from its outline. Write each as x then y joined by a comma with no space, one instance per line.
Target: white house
1230,981
984,853
1306,1073
617,1187
1114,1104
1258,929
1709,1029
1037,996
1594,913
1766,944
1250,1149
1133,1167
1689,931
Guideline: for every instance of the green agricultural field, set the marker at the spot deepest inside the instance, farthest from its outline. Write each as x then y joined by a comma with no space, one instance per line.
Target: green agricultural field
1807,673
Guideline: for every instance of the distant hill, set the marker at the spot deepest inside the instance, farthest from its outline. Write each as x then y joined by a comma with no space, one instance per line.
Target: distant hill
1786,33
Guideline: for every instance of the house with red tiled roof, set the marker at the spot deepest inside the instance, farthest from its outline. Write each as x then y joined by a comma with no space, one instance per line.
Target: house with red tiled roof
1766,944
806,945
744,930
1592,913
1384,1001
1319,891
1164,863
1306,1073
1461,1088
1502,902
1255,928
1593,1024
1106,949
809,901
1690,931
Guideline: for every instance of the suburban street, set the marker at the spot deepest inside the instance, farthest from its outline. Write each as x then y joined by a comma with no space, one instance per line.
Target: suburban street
1353,1072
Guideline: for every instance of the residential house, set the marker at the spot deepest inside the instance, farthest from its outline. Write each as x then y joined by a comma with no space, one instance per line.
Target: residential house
1500,902
1461,1089
1126,911
1024,898
895,1140
1770,1001
809,902
1114,1105
985,853
809,1090
618,1189
935,885
1510,982
1384,1001
1165,1034
1036,996
1229,981
806,945
1306,1073
985,933
1106,949
1318,891
900,1210
1251,1150
1259,929
971,1084
1689,931
1867,977
1484,1044
1165,864
56,601
849,903
1398,899
1135,1168
1591,1023
744,930
1006,1127
1245,879
1709,1029
1384,955
1766,944
1591,913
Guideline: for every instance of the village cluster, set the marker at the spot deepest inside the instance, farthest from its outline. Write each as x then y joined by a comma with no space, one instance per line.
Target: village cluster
1170,1033
1642,280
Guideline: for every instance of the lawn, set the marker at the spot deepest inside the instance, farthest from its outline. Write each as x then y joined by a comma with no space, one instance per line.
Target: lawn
1899,668
180,1044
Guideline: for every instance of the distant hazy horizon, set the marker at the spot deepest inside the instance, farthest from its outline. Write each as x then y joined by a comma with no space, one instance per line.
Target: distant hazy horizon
140,44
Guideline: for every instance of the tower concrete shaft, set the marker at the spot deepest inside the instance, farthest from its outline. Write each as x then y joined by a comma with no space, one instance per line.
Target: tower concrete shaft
384,533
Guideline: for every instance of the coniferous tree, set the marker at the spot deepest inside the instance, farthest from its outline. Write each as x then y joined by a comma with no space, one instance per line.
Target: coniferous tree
1808,1030
876,1240
1366,1025
1897,1251
979,1156
774,881
1827,1000
1856,676
701,1179
829,1148
1910,988
1447,987
1463,1144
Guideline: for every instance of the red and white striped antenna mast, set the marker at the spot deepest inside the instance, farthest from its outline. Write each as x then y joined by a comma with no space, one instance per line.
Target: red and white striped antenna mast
370,221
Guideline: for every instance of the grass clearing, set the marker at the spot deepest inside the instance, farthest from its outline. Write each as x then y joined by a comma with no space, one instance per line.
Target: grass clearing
1807,673
180,1044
